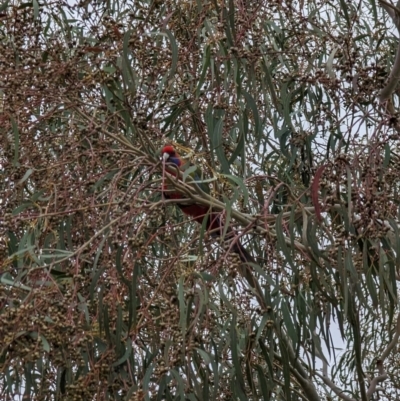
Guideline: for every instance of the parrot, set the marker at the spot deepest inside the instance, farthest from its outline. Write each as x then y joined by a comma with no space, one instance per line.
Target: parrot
196,211
200,212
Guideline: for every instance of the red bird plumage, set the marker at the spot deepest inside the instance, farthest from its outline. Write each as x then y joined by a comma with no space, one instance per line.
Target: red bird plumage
196,211
213,224
200,212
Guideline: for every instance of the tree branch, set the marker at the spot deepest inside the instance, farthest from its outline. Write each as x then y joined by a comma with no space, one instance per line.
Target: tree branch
394,77
334,388
299,373
391,10
393,343
382,374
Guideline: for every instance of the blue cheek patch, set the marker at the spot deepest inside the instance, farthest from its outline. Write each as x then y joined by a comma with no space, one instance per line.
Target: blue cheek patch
175,160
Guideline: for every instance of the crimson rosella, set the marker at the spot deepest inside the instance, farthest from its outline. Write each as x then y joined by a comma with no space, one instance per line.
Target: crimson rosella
200,212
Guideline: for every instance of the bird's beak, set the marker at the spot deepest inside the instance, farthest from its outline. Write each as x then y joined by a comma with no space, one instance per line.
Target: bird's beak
165,156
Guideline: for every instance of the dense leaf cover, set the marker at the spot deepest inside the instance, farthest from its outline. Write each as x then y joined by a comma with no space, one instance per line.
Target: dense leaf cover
107,292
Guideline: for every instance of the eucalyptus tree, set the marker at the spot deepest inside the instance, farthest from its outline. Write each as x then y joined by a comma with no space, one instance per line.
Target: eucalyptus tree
107,291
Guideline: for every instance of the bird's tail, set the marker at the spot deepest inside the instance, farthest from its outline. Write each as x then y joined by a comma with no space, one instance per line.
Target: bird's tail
215,226
243,253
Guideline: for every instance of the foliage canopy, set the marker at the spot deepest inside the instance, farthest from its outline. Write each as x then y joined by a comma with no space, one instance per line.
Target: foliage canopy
107,292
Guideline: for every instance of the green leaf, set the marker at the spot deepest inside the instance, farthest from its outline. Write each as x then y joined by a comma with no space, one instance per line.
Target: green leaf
239,182
289,324
329,63
253,107
12,243
35,335
21,208
127,354
4,5
16,142
26,176
217,141
35,5
265,391
182,306
235,357
204,355
180,385
118,266
174,49
205,66
7,281
127,70
190,171
146,381
281,240
343,5
285,366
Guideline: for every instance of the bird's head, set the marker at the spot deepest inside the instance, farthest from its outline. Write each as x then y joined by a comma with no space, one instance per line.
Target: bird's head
169,155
